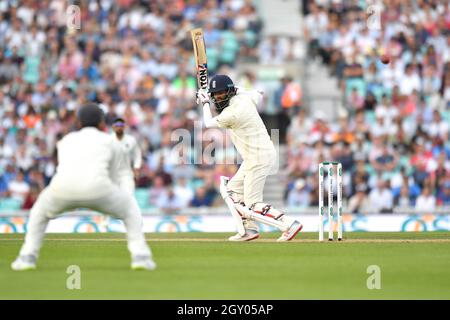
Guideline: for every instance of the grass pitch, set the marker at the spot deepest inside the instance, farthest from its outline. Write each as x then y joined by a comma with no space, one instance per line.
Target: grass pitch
207,266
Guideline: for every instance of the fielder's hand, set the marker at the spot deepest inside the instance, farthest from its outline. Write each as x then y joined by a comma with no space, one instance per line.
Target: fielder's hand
202,96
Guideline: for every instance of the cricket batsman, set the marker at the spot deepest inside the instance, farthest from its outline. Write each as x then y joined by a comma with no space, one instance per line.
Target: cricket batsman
243,193
86,177
132,156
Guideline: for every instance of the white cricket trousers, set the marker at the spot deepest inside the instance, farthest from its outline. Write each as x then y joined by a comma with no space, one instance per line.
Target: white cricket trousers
126,183
117,204
249,181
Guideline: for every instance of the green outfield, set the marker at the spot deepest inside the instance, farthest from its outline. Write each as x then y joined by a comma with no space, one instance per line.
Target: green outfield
206,266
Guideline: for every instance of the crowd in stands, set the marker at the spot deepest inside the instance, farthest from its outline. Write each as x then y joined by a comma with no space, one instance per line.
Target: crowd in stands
392,133
135,59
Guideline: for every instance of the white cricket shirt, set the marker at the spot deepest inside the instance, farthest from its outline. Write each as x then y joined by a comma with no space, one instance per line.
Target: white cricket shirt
132,154
248,132
88,162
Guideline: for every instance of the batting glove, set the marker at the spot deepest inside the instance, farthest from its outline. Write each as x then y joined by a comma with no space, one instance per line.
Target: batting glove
202,96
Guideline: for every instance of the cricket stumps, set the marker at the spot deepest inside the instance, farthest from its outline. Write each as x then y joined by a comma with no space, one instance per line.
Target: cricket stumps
331,174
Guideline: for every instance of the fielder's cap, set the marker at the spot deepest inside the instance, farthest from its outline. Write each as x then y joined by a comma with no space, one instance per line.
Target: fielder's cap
118,122
90,115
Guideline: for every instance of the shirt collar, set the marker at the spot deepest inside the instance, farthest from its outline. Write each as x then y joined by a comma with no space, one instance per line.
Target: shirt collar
90,129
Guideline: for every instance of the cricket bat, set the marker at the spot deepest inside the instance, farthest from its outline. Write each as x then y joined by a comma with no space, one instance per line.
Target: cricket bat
198,42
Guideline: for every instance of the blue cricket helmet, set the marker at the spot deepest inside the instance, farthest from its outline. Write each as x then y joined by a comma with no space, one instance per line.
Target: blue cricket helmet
221,83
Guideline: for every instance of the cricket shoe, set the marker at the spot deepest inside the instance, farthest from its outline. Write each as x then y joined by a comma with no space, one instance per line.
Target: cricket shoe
24,263
291,232
143,263
248,236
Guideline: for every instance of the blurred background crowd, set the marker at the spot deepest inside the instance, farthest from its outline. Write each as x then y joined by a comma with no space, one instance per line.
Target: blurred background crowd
392,134
135,59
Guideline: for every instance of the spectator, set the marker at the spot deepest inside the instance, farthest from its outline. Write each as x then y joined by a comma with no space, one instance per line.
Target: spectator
359,202
387,109
426,202
386,161
8,70
403,200
353,68
299,196
291,98
271,52
300,127
444,195
283,118
183,192
24,158
321,130
300,159
372,77
370,102
356,100
18,187
420,162
438,127
202,198
157,191
361,126
344,132
431,81
409,81
315,23
170,202
380,198
31,198
380,128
